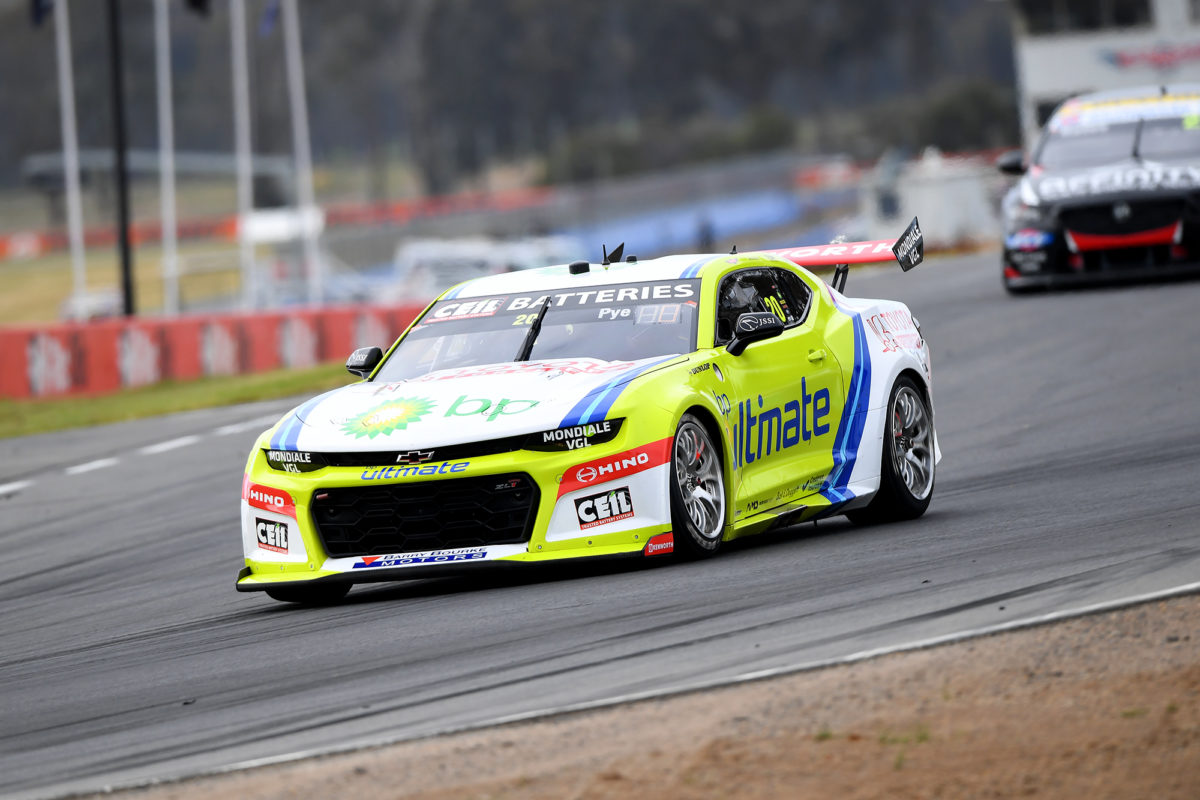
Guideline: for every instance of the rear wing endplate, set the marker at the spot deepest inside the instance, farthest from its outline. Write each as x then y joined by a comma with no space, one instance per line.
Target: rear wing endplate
908,251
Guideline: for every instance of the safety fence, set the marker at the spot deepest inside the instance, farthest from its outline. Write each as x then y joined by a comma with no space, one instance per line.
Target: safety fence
108,355
955,198
31,244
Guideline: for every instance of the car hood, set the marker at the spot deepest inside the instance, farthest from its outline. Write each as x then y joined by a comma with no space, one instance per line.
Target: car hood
1126,179
451,407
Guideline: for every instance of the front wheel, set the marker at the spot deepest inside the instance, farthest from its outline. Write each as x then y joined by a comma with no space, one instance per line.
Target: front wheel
906,471
321,595
1015,288
697,490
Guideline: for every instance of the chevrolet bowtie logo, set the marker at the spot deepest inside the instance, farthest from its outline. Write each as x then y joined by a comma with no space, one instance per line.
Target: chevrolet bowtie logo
414,457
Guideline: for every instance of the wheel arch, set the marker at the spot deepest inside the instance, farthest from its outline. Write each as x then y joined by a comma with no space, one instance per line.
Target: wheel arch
919,380
927,395
718,435
889,503
891,367
711,426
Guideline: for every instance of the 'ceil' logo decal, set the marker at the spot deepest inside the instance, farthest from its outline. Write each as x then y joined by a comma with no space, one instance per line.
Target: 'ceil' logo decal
269,499
602,470
603,508
272,535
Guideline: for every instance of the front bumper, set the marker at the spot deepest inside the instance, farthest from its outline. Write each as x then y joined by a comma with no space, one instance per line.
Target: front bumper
250,581
1087,244
1018,281
606,500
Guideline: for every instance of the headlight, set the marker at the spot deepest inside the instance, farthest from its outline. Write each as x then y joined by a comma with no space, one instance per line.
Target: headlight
1022,208
574,437
1020,215
294,460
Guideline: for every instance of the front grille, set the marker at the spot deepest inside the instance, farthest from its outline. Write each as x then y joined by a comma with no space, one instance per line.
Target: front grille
1127,258
427,515
1144,215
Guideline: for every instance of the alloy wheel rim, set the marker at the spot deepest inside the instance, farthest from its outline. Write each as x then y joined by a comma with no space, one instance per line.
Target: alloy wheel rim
698,475
912,443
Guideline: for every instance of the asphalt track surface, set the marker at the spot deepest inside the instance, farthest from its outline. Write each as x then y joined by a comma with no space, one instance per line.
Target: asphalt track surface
1070,431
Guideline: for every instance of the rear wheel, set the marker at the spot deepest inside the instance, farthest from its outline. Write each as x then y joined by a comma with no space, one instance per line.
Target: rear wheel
697,490
320,595
907,469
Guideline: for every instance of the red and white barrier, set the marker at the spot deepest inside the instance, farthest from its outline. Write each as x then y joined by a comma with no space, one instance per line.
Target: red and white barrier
109,355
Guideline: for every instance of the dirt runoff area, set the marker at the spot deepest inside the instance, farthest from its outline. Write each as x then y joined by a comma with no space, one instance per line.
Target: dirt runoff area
1104,706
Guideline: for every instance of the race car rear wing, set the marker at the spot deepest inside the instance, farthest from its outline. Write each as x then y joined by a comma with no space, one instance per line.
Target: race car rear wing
908,251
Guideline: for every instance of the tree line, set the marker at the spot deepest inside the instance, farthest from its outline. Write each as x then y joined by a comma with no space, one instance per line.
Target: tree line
592,88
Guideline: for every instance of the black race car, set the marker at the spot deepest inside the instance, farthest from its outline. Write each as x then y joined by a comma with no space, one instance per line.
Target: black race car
1112,192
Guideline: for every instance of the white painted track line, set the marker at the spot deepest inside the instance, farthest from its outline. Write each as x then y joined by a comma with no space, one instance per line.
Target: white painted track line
7,489
99,463
238,427
262,422
170,444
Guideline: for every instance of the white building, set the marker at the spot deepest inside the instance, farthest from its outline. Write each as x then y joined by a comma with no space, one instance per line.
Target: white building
1064,47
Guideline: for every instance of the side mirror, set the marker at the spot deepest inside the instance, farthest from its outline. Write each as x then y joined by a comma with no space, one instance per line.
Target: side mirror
753,327
1011,162
363,361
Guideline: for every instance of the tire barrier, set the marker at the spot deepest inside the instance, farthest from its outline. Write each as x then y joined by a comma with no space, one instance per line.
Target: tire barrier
110,355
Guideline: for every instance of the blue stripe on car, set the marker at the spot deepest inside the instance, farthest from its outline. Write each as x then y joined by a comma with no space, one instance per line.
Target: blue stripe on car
281,431
694,268
289,433
596,403
854,418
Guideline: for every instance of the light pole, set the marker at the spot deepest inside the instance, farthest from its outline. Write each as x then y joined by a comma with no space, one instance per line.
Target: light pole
166,157
241,135
70,144
307,214
117,87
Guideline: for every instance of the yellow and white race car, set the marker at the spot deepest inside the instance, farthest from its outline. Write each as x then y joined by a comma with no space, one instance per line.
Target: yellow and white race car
626,408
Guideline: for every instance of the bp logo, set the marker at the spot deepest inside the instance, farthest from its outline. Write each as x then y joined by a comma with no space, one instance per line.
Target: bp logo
392,416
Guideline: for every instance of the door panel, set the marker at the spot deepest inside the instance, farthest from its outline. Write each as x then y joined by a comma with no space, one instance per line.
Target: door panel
784,412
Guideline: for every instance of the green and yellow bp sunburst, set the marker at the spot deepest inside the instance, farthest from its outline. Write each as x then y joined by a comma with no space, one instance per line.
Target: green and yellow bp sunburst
387,418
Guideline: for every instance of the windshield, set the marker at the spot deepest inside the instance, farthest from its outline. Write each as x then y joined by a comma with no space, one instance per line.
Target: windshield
1170,138
1087,147
1105,144
618,323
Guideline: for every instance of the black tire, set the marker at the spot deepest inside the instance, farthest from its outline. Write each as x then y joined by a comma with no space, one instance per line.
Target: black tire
697,487
321,595
898,499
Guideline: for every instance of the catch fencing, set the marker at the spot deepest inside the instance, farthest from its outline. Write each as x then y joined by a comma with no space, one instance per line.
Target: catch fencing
808,200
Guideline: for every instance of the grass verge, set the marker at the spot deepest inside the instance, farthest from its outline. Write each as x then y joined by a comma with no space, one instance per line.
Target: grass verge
23,417
36,289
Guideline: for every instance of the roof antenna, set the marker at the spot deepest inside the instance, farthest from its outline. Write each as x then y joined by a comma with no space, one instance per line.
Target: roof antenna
733,250
615,255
